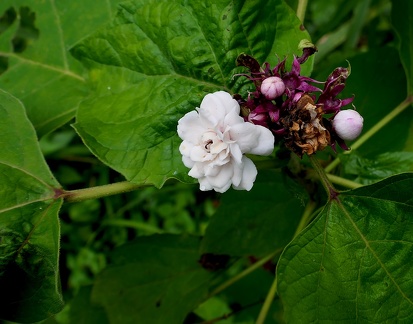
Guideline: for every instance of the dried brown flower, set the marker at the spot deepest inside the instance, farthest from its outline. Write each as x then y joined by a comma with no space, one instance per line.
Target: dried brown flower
306,133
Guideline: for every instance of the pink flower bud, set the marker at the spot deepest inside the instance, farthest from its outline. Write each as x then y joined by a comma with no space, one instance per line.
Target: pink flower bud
272,87
348,124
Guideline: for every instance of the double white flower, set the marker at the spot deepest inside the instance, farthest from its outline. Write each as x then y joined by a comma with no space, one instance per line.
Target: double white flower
215,139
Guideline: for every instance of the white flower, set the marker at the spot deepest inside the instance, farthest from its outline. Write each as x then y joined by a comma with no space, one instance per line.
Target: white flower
348,124
215,138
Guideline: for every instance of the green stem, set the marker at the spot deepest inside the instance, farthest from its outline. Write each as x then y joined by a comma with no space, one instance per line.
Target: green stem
396,111
308,211
305,218
267,303
333,165
301,9
343,182
132,224
100,191
331,191
372,131
244,273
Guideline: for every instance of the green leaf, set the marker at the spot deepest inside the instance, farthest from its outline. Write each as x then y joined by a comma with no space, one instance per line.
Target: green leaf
353,263
35,46
157,61
82,311
382,166
264,222
155,279
29,227
402,18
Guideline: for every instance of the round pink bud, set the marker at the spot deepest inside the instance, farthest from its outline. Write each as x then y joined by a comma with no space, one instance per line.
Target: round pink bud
348,124
272,87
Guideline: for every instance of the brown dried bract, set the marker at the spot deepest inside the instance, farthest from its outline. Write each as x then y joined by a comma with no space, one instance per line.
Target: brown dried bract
306,133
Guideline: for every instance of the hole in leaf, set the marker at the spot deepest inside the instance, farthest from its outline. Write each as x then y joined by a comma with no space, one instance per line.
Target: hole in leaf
27,31
7,19
214,262
4,64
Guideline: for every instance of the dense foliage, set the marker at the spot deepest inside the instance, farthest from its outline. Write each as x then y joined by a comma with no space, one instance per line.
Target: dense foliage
100,221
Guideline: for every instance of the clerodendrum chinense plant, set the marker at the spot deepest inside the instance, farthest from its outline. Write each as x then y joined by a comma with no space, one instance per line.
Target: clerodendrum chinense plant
332,226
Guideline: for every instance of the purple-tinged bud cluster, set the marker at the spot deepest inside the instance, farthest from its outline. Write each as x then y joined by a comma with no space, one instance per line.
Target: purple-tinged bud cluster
277,103
272,87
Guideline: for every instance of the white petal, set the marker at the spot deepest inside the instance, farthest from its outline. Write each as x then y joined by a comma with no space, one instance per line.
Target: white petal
204,185
237,176
233,117
211,170
185,148
197,171
236,153
222,181
215,106
249,174
198,154
190,127
187,162
218,146
253,139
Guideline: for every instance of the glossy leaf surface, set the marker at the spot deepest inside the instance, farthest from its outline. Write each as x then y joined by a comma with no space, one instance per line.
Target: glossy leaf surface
353,263
367,171
34,47
157,61
29,227
155,279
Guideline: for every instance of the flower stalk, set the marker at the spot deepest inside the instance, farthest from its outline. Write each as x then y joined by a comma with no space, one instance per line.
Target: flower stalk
301,9
99,191
244,273
343,182
331,191
267,303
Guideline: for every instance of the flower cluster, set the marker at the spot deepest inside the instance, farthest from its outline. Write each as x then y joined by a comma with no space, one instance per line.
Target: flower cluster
285,106
294,108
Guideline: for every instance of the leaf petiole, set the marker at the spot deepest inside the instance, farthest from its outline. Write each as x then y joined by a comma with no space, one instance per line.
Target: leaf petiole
331,191
343,182
267,303
244,273
301,9
306,217
100,191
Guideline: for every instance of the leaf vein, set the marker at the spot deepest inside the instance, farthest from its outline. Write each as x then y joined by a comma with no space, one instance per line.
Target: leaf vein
60,32
368,247
29,174
210,46
42,65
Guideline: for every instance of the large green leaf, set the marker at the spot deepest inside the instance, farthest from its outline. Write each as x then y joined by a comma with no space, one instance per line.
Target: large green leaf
157,61
353,263
402,19
264,222
29,227
35,47
82,311
368,171
155,279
